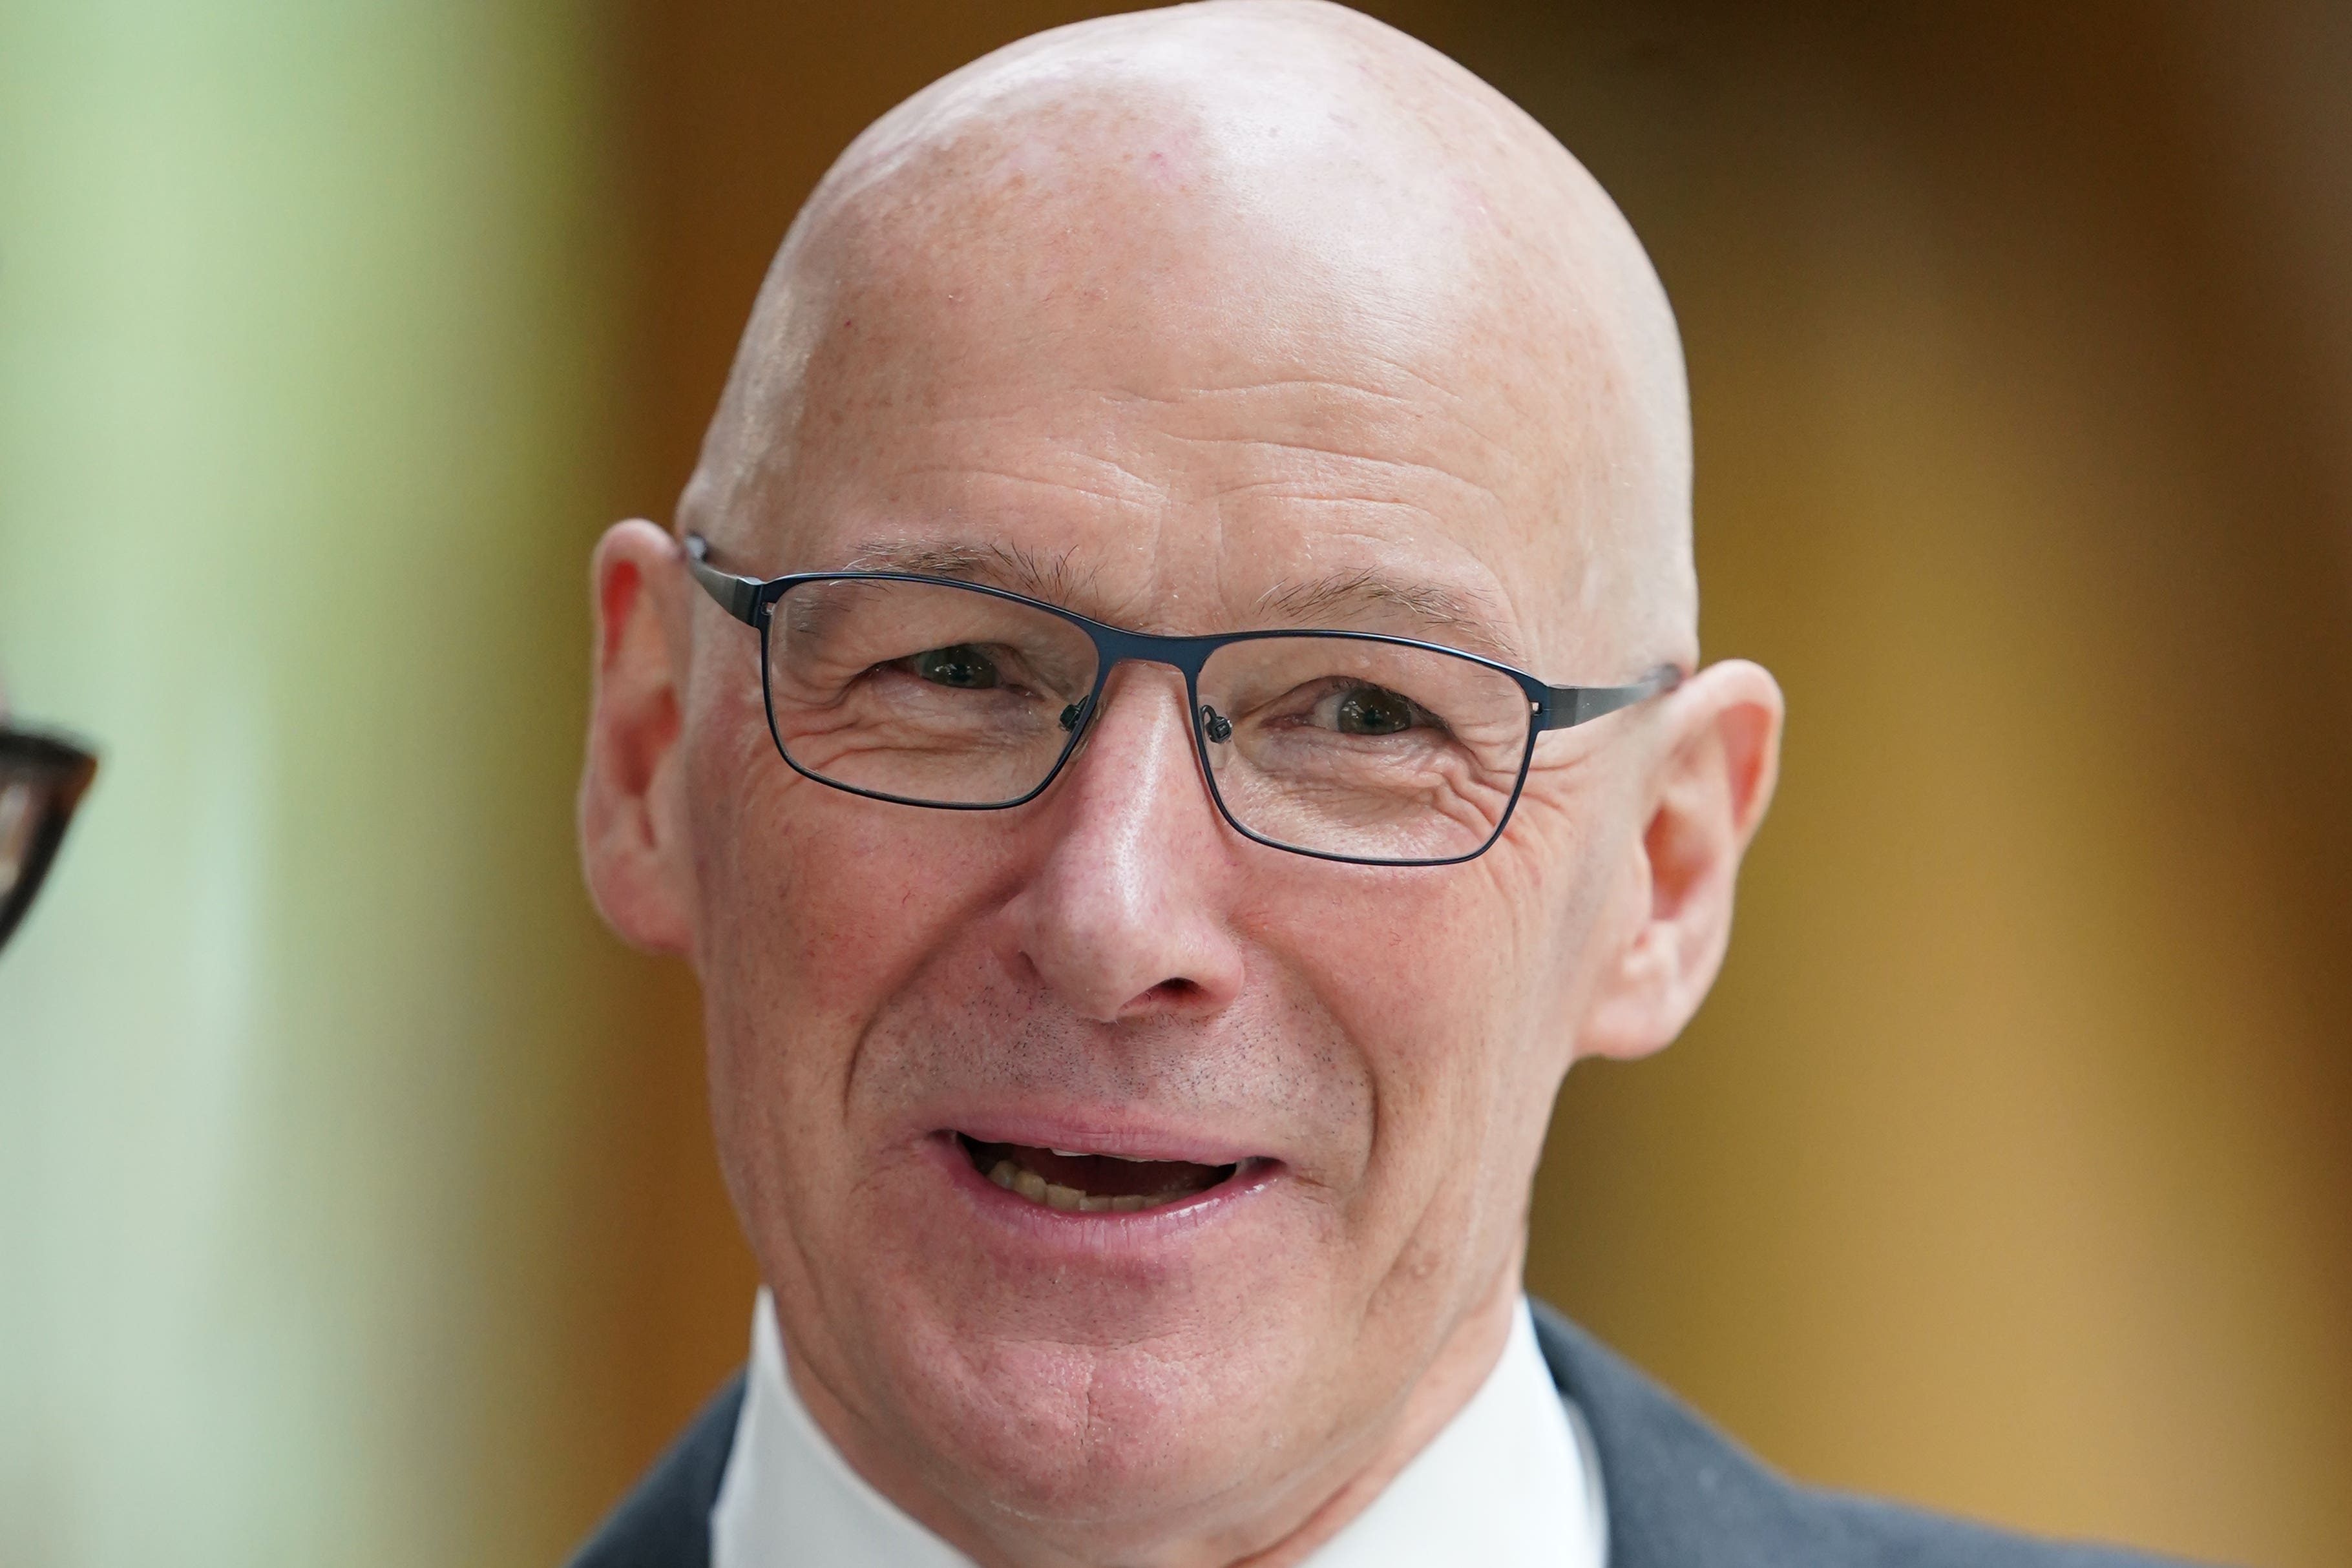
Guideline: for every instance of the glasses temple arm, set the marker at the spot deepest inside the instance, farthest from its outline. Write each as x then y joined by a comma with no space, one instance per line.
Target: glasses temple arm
1572,706
739,596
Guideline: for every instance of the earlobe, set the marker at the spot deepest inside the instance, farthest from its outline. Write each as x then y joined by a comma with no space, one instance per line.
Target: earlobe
1713,780
630,846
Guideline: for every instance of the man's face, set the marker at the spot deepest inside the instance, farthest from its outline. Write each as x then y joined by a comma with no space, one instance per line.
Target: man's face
1348,1068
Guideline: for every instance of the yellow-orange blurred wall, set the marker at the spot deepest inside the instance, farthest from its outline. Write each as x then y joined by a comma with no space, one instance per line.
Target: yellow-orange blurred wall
2009,1169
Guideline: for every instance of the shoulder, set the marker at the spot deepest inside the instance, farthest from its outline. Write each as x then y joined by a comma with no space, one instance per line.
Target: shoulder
1683,1495
664,1521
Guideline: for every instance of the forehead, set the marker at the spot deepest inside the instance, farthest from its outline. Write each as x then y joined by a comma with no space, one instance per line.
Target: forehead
1206,400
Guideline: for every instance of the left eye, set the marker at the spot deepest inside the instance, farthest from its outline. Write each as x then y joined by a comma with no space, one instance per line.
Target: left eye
962,665
1374,710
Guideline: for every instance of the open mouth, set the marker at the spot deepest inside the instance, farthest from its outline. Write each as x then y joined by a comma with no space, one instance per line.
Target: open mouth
1090,1183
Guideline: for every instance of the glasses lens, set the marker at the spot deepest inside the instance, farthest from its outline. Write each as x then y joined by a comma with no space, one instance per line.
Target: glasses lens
22,805
1367,750
924,691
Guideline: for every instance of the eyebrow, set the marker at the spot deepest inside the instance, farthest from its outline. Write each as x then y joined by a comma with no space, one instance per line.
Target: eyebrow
1437,614
1049,577
1448,615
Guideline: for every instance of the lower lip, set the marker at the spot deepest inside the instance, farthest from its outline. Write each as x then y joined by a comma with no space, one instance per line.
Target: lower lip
1108,1228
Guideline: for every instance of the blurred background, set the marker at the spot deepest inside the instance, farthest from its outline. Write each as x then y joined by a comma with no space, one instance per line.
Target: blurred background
356,1200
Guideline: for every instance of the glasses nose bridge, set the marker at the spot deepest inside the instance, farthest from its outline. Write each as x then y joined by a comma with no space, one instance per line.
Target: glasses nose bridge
1185,656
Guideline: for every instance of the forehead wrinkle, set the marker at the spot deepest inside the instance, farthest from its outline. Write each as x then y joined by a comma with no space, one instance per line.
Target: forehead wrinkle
1330,460
1339,388
1048,457
1061,484
1259,384
1453,413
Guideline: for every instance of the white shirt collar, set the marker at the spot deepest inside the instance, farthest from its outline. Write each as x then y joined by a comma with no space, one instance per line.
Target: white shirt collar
1512,1481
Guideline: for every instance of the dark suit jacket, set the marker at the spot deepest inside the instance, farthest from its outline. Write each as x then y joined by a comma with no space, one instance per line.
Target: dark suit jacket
1681,1495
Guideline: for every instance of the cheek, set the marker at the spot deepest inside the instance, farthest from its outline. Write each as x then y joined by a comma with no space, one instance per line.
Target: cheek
1459,986
1428,975
1435,972
1564,855
813,907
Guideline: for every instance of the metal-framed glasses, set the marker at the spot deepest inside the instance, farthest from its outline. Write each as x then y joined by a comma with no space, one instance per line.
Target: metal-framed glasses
42,779
1346,746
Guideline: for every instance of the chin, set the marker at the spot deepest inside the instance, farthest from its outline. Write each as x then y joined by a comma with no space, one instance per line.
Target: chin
1112,1447
1121,1375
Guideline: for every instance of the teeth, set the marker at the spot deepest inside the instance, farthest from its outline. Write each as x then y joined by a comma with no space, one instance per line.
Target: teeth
1015,1177
1081,1155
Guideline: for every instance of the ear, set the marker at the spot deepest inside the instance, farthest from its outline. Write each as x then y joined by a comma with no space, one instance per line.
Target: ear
632,825
1708,789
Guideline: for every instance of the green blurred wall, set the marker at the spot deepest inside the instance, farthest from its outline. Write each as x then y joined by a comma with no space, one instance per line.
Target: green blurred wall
305,389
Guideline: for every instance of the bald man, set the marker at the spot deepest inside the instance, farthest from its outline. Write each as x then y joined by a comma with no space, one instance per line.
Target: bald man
1171,716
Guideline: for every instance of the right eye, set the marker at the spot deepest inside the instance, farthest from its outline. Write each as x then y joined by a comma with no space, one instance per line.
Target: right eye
1373,710
961,666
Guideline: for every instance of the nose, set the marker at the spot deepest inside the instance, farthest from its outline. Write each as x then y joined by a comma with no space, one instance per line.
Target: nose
1124,914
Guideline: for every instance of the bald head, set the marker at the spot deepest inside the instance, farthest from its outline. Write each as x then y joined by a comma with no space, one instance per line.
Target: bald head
1229,198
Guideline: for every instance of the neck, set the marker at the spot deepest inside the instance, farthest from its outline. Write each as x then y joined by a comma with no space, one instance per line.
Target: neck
1298,1513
